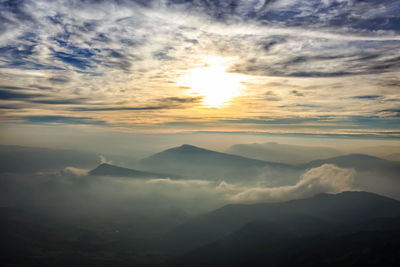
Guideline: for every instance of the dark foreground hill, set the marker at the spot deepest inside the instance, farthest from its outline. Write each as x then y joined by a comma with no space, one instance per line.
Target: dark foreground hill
320,211
265,244
347,229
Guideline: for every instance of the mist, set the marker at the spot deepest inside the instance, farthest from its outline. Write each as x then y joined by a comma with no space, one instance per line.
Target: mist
145,206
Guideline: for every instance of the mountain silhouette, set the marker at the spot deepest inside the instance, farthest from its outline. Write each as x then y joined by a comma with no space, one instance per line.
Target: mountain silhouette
359,162
284,153
322,209
105,169
195,162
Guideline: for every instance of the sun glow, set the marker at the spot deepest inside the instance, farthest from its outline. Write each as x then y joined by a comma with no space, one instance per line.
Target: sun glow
213,82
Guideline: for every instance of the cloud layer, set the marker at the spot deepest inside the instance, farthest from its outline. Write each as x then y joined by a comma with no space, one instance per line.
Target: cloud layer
311,67
327,178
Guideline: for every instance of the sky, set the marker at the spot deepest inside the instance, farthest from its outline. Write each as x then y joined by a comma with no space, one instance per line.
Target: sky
289,67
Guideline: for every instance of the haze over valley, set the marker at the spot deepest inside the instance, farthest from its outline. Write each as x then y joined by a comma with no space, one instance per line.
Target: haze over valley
183,133
189,205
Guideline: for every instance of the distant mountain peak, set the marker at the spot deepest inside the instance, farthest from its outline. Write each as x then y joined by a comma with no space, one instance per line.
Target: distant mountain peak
347,193
360,162
105,169
200,163
360,156
106,165
187,147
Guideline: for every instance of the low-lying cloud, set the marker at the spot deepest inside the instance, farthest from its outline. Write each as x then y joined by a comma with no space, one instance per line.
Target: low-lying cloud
72,171
326,178
168,181
64,194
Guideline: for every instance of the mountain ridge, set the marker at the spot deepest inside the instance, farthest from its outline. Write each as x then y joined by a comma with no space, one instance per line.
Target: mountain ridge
342,208
106,169
200,163
357,161
283,153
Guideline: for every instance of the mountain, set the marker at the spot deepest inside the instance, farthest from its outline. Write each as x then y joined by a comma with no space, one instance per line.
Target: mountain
195,162
289,154
359,162
319,211
105,169
372,174
268,244
393,157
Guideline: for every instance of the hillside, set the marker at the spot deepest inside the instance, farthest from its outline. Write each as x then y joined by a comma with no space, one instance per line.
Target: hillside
105,169
194,162
322,210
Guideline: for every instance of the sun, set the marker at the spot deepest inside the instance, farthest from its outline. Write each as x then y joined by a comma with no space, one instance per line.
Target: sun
212,82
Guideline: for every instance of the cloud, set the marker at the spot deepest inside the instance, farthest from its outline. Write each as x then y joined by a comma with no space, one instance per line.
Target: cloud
119,108
327,178
9,95
72,171
182,100
272,121
103,159
368,97
59,79
127,56
297,93
185,183
61,119
59,101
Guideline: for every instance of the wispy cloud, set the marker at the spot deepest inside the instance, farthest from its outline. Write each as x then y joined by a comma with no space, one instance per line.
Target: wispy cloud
303,60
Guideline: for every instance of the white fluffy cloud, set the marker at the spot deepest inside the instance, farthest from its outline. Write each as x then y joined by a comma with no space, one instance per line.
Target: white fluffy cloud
72,171
327,178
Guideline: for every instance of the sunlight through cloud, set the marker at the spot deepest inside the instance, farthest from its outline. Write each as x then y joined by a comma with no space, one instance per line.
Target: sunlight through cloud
213,82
